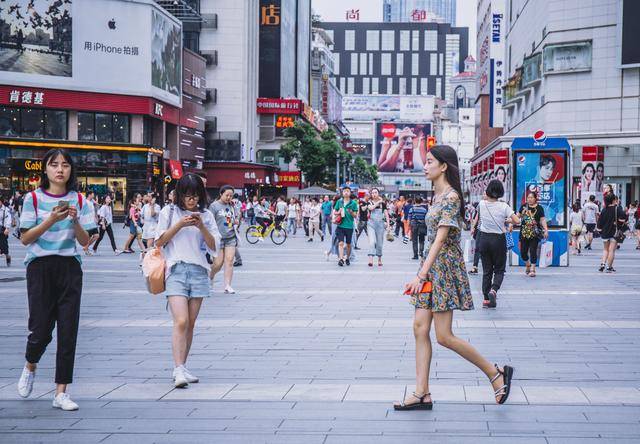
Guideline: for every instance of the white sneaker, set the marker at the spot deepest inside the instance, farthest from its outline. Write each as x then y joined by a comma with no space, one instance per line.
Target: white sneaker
179,378
229,290
25,384
117,252
63,401
191,378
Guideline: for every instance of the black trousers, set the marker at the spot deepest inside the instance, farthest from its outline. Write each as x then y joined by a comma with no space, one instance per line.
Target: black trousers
418,233
493,252
362,228
54,288
399,226
476,254
529,249
109,232
305,225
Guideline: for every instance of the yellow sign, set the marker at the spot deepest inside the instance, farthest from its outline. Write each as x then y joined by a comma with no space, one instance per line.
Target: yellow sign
270,15
33,165
156,171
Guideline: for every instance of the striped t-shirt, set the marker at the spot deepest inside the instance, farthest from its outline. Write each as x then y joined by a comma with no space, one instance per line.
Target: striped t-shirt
60,239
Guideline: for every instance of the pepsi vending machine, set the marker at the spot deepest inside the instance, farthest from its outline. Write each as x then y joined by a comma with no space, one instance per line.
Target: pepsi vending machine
542,164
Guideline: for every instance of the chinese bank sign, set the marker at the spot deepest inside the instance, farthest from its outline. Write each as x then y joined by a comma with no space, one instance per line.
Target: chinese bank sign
120,47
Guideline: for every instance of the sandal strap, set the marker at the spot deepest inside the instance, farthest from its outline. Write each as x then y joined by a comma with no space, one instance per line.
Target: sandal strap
501,391
500,373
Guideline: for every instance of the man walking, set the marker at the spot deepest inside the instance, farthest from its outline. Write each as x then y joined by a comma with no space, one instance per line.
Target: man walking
347,210
591,213
326,216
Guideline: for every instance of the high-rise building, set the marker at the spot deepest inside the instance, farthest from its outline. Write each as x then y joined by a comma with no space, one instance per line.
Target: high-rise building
441,11
397,58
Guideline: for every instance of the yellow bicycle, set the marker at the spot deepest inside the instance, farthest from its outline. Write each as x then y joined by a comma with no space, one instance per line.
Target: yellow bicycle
255,233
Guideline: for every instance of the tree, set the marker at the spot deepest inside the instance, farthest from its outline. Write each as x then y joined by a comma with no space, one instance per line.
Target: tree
315,155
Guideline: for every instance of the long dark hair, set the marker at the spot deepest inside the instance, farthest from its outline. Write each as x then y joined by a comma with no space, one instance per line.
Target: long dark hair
50,155
446,154
191,184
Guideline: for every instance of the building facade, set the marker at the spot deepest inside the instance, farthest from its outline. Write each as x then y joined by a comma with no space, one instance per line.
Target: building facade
397,58
571,74
119,132
441,11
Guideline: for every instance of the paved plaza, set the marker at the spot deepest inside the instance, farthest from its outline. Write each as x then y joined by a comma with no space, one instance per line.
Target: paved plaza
307,352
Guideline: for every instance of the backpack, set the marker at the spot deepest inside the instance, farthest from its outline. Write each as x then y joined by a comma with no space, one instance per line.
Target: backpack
34,198
154,266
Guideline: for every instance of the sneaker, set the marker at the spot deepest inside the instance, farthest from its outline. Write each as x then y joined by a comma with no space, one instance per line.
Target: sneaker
229,290
474,270
601,269
63,401
492,298
611,270
237,264
191,378
309,240
485,303
117,252
347,261
25,384
8,258
415,258
179,377
356,248
341,263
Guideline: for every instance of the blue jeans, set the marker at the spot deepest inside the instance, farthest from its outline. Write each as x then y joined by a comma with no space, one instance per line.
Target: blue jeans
292,226
375,231
326,224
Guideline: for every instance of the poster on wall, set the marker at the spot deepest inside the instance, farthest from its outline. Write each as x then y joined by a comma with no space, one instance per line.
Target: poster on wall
592,180
544,173
402,146
35,37
166,54
502,173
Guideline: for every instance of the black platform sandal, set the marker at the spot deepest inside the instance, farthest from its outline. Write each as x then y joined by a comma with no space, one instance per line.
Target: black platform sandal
507,374
416,406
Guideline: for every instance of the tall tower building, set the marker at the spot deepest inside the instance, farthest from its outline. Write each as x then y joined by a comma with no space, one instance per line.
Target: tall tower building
441,11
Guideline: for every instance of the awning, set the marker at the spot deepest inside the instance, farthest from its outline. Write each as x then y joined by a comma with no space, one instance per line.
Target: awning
315,191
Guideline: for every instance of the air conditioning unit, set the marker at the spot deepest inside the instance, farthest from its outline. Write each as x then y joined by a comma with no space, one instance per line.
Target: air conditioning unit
211,57
269,159
209,21
212,95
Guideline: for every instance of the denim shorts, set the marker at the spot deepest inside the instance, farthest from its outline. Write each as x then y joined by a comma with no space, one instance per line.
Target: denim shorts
188,280
229,242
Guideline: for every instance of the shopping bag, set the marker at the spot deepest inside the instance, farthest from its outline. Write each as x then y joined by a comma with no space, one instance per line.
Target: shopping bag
153,269
469,250
546,254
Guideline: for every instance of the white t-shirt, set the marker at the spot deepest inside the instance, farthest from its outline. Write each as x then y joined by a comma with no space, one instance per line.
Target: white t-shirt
106,213
590,211
150,223
293,211
575,219
188,244
493,216
281,208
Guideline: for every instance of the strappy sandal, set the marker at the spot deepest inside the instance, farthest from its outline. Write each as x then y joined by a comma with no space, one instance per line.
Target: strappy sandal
527,270
507,374
474,270
415,406
532,273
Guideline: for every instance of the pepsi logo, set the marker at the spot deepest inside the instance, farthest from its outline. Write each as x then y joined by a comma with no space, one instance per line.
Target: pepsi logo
539,136
521,160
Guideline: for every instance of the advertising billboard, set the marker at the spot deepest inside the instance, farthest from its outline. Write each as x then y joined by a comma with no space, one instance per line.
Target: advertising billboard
402,147
629,33
92,45
543,172
387,107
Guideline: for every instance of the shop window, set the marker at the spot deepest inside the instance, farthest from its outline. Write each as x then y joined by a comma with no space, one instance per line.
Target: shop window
147,131
104,127
55,124
121,128
86,126
9,122
32,123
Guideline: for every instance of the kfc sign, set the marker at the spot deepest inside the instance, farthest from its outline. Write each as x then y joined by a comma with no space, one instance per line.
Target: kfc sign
278,106
26,97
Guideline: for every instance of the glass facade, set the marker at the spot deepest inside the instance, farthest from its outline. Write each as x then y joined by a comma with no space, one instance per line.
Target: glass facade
103,127
33,123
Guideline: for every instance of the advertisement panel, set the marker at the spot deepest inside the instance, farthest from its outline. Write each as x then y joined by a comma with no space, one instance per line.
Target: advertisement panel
417,108
384,107
592,179
543,172
402,147
96,46
629,34
567,57
502,172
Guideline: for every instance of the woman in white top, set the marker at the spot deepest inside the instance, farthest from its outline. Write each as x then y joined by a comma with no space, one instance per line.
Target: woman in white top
576,222
105,219
292,216
186,232
493,215
150,215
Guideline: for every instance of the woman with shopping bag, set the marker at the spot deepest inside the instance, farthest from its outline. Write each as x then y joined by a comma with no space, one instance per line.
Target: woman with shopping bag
534,229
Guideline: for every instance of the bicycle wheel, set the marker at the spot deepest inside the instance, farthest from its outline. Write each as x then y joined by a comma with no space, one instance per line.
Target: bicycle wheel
253,234
278,236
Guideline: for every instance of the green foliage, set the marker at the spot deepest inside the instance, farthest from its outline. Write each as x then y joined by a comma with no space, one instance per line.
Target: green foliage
315,155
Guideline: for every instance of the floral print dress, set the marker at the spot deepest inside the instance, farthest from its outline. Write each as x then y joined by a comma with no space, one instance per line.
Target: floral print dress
448,274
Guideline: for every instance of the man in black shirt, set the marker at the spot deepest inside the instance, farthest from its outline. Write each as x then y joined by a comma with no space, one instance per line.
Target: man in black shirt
363,218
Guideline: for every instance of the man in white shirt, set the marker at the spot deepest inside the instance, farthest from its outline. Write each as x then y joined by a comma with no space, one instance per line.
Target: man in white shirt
591,213
5,223
90,202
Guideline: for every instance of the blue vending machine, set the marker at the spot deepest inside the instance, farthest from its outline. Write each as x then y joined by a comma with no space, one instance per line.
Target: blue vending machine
542,165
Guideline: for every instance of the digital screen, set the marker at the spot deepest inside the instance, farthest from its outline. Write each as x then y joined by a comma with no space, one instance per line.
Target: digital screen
545,173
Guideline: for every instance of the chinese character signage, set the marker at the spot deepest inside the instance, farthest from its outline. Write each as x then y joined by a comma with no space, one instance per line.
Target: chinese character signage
418,15
352,15
265,105
544,173
497,71
270,14
26,97
288,179
270,48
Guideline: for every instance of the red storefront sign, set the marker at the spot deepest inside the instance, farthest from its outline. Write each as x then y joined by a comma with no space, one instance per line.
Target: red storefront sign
176,169
267,105
87,101
502,157
593,154
288,178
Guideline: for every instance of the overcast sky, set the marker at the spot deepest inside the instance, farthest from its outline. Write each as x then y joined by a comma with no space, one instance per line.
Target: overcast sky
371,11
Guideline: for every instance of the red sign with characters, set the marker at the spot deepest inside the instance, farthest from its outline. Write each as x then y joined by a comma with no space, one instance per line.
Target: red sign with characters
267,105
176,169
288,178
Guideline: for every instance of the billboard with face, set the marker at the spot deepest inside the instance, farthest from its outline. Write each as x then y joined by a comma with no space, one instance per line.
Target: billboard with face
109,46
543,173
402,147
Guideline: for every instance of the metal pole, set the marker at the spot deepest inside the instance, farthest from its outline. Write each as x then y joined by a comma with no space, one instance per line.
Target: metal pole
337,171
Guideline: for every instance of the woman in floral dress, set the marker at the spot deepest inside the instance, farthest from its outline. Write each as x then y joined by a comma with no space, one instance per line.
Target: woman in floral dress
445,269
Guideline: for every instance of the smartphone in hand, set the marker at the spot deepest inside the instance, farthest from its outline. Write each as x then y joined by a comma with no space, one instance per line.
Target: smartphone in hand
63,204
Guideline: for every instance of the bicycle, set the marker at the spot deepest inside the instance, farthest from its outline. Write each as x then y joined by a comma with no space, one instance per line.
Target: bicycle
255,232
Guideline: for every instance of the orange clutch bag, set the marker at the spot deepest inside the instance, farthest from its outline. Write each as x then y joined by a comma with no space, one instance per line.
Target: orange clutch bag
427,287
